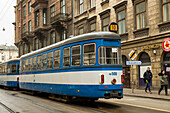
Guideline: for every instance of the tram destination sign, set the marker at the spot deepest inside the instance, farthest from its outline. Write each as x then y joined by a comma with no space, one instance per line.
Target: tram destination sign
133,62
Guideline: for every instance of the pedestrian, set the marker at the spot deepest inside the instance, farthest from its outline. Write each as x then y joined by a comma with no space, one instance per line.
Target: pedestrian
164,82
147,79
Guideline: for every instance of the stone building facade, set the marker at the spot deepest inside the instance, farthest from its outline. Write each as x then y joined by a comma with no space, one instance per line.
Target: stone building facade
40,23
143,25
8,52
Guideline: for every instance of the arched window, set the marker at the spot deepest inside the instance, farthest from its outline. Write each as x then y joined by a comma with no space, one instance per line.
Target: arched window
166,57
144,58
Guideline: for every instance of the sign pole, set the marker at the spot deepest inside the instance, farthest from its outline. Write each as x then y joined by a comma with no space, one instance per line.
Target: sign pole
132,81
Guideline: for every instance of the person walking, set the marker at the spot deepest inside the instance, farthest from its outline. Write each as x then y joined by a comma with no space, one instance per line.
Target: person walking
147,78
164,82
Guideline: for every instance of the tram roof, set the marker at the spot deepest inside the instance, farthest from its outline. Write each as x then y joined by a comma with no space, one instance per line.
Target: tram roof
11,60
83,37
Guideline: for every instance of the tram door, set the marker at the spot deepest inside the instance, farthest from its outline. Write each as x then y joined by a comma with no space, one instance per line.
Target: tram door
126,73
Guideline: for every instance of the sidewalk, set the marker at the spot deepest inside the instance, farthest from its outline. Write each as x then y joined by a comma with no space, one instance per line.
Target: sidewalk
141,93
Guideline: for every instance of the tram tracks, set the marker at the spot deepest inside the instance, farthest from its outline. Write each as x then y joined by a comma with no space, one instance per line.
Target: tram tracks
7,108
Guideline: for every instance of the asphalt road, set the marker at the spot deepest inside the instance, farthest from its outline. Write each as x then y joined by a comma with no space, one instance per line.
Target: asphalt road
19,102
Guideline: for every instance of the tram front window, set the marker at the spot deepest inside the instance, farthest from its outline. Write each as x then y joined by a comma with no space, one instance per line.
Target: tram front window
109,55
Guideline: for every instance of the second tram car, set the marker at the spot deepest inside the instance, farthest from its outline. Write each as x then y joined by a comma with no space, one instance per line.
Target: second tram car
9,73
87,65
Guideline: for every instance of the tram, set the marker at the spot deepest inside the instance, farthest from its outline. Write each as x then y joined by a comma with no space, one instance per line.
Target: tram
9,73
84,66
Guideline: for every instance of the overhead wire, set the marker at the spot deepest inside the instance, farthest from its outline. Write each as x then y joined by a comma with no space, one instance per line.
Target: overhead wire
5,12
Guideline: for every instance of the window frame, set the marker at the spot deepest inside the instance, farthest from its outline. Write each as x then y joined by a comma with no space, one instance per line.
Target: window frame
68,56
140,13
107,24
72,55
81,4
121,19
63,6
29,7
52,11
165,3
52,38
59,59
119,55
94,52
52,58
29,26
24,11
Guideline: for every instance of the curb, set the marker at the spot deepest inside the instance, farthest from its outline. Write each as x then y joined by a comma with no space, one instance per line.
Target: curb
147,97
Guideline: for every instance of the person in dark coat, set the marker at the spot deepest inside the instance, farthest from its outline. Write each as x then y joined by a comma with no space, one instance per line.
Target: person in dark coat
164,82
147,78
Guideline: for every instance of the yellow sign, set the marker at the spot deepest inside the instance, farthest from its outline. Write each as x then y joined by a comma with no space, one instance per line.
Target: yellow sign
113,27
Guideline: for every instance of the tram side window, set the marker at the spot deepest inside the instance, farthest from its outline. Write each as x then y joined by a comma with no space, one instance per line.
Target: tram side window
23,65
66,57
89,54
0,69
34,63
76,57
50,60
26,65
14,68
5,68
39,62
57,59
9,68
30,64
44,61
109,55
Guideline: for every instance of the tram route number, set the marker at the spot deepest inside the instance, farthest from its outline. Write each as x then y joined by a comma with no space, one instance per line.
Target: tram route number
113,74
113,27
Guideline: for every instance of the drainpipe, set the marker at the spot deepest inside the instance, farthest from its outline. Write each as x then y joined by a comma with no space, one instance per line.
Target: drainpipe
73,17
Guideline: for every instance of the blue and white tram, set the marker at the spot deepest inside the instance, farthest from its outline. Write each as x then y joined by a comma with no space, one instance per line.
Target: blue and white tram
9,73
87,65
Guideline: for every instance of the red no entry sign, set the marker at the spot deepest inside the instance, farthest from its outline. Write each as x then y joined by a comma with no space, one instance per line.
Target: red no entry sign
166,44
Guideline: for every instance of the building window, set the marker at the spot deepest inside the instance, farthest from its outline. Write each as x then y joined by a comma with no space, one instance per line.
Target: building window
63,35
81,31
29,26
140,15
63,6
24,48
36,44
3,58
44,16
92,3
81,7
24,11
93,27
52,37
166,10
44,43
105,24
25,28
37,14
121,22
52,11
29,7
20,50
